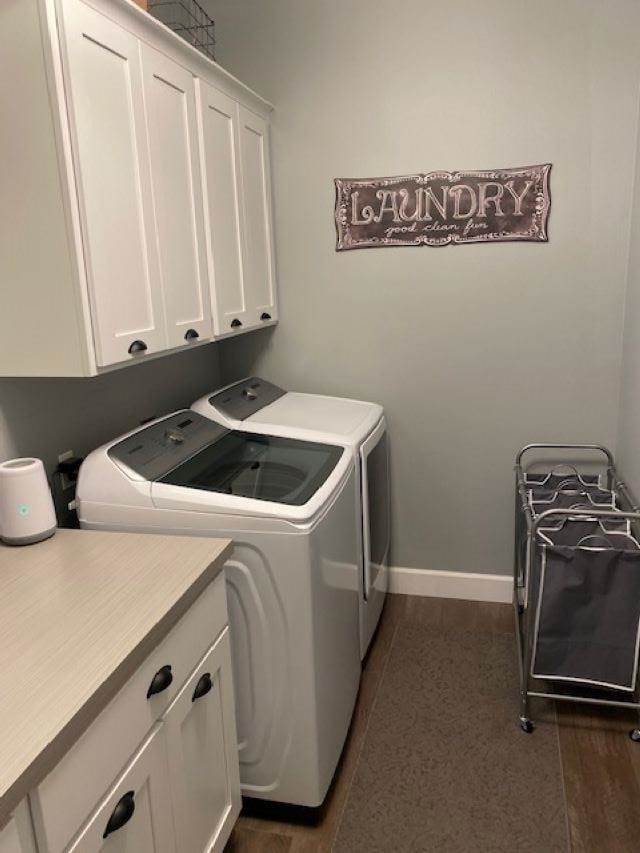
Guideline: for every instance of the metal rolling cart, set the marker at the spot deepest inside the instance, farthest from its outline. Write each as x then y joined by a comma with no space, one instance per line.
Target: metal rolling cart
576,585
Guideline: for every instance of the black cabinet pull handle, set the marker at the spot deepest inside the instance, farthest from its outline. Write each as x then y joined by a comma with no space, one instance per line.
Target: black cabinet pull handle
191,335
265,316
121,814
202,687
160,681
137,346
235,323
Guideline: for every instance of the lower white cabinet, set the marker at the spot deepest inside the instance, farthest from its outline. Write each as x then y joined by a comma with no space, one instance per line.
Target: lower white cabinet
203,754
59,805
136,816
17,835
168,739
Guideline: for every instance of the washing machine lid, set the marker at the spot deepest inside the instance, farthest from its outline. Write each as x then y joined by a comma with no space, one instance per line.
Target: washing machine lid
193,463
259,467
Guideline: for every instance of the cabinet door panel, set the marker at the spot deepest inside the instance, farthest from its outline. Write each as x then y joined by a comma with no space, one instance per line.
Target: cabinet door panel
203,754
221,164
149,829
17,835
177,192
259,277
104,85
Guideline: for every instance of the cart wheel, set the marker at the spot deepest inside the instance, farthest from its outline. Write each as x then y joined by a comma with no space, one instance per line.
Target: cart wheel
634,734
528,727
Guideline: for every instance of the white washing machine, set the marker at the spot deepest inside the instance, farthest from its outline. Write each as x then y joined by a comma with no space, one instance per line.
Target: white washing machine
292,579
262,407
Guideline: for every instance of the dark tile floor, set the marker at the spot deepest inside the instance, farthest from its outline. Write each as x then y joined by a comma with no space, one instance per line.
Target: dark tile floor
435,760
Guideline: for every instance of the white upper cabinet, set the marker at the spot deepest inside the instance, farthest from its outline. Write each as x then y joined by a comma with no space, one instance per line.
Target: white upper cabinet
143,168
106,106
221,169
169,93
259,275
235,156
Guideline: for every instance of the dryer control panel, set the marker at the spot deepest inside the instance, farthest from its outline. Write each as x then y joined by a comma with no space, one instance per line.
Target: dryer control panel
245,398
156,449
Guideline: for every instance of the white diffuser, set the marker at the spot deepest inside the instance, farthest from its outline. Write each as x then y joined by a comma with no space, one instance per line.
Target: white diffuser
27,513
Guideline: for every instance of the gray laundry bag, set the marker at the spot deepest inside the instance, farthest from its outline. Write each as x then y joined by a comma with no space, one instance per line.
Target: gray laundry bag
588,616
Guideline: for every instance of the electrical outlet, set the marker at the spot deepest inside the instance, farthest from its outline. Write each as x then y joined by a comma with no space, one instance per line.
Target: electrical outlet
63,489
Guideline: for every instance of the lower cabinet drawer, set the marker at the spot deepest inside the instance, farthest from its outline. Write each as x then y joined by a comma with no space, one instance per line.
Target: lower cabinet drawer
136,816
61,803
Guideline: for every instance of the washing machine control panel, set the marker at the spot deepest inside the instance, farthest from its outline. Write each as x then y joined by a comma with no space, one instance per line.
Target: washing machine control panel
245,398
156,449
173,436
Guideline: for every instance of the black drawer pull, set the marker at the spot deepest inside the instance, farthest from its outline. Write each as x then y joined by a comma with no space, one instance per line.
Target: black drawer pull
235,323
202,687
160,681
137,346
121,814
191,335
265,316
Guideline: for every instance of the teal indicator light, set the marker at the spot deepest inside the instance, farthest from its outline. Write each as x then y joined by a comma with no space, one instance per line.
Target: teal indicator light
24,509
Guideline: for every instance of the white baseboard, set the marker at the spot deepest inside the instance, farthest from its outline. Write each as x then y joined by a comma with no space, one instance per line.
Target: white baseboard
470,586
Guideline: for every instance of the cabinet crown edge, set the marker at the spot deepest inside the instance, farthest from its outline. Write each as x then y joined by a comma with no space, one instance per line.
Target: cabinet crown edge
143,24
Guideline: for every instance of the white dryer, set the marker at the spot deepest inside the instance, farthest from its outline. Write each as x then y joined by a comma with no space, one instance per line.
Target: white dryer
262,407
292,579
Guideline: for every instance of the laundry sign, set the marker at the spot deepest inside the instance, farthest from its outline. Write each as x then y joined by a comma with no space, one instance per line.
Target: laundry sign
439,208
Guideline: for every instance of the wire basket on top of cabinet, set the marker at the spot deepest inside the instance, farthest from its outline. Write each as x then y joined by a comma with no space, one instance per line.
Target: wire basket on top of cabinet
189,20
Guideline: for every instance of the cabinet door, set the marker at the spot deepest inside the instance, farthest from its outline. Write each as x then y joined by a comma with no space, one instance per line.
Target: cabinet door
223,210
258,255
17,835
136,816
203,754
103,81
169,92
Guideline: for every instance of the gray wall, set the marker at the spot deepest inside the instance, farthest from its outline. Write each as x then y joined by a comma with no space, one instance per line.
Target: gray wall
473,350
42,417
629,413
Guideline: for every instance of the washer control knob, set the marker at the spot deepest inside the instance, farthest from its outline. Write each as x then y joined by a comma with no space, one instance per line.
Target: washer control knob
173,436
248,394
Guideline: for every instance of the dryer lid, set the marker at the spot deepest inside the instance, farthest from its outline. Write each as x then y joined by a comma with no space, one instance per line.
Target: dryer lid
339,416
259,467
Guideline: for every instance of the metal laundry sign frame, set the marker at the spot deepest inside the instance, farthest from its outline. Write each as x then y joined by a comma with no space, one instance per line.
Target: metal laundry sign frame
442,208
